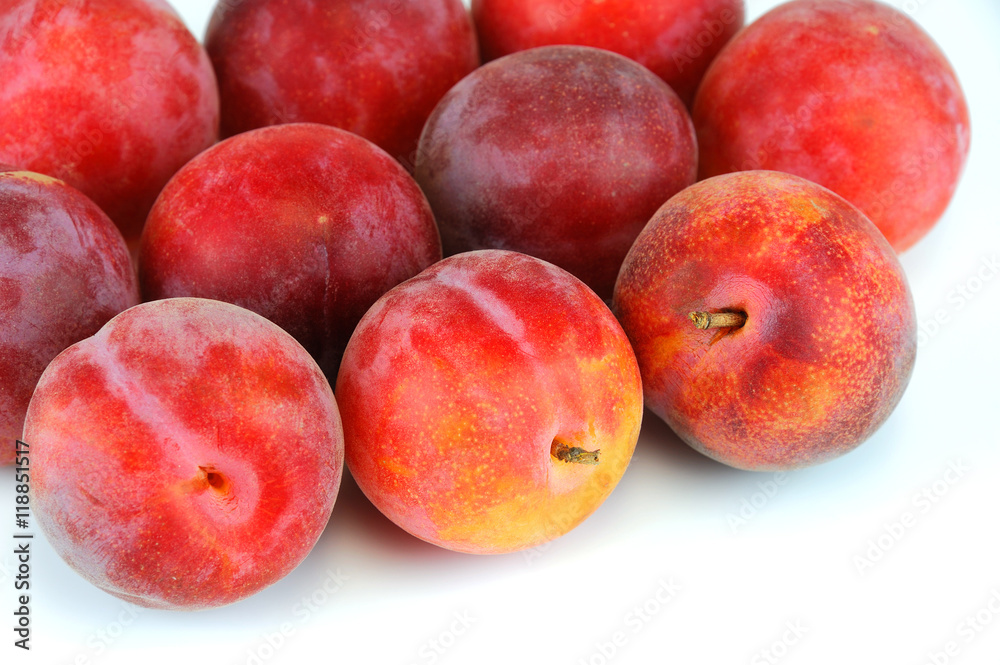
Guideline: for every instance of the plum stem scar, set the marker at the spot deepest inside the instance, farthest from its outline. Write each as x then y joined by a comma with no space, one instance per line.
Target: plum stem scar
574,455
707,320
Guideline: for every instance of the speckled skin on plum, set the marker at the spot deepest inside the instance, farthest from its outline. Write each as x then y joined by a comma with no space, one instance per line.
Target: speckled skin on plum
830,338
676,39
125,427
376,68
112,96
455,386
304,224
560,152
850,94
64,272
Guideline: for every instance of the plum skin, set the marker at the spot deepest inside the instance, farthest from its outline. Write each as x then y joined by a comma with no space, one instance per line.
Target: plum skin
829,343
64,272
112,107
675,39
303,223
184,457
458,384
559,152
850,94
373,67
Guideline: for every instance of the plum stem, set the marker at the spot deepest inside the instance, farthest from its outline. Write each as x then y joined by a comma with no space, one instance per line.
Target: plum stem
574,455
707,320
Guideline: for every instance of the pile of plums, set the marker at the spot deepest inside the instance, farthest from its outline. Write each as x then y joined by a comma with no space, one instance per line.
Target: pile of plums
640,203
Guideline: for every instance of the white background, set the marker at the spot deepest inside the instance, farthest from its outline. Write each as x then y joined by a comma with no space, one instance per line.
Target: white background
738,588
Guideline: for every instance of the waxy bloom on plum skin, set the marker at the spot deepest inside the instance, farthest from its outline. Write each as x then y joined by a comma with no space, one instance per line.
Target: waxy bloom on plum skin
490,404
375,68
186,456
111,96
772,321
850,94
64,272
305,224
559,152
675,39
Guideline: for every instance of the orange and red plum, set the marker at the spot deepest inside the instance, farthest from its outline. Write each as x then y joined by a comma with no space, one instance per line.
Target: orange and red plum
112,96
304,224
64,272
376,68
811,333
675,39
490,404
560,152
850,94
184,457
